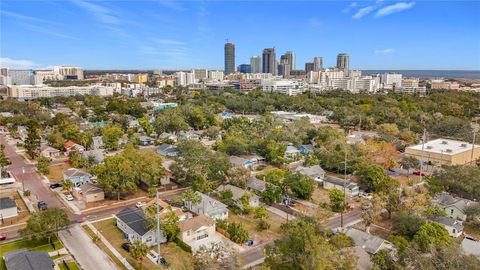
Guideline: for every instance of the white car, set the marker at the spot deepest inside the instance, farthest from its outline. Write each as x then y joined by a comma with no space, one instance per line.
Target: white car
69,197
365,195
139,204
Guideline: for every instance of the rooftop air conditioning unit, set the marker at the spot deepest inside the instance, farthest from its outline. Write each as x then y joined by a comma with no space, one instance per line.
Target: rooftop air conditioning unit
444,142
463,145
449,151
429,147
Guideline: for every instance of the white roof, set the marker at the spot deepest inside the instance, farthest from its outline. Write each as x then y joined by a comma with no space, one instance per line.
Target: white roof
444,146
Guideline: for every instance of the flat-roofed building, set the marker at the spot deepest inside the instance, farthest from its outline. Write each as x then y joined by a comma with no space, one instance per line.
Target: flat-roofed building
445,152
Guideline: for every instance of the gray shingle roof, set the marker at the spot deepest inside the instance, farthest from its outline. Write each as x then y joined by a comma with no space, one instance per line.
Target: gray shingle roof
7,203
256,184
471,246
236,191
135,219
369,243
312,171
28,260
451,222
337,181
446,199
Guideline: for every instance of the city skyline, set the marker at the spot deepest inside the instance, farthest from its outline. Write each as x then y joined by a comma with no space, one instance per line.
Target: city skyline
109,35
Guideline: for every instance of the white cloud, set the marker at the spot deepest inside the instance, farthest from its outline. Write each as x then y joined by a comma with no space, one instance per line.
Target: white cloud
314,22
101,13
397,7
171,4
21,17
168,41
384,51
6,62
363,12
349,7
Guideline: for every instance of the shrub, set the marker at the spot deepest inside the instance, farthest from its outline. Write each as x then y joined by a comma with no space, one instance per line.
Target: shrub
183,245
262,225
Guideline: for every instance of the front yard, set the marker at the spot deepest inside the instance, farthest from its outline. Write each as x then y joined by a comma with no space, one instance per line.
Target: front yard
56,171
178,258
23,213
30,245
250,224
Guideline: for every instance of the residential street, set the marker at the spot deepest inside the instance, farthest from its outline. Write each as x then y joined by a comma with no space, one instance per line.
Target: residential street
254,256
349,219
82,248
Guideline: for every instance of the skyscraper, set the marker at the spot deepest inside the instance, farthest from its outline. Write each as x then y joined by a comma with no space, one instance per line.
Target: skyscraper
287,63
229,58
308,67
291,57
269,62
343,61
244,68
317,63
255,64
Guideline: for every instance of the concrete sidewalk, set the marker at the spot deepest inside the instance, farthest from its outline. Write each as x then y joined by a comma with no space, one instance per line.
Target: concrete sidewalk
280,213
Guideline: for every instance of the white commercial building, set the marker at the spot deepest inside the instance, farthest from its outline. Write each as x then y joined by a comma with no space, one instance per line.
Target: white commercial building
286,87
69,72
32,92
391,80
215,75
185,78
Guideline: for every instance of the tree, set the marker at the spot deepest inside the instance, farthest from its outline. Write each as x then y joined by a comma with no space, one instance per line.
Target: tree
32,143
139,251
443,257
463,181
4,161
383,260
337,200
170,120
374,177
111,135
431,234
406,224
341,240
191,196
261,212
371,210
301,185
392,199
408,162
271,194
56,139
400,242
67,185
216,257
237,232
43,225
145,124
226,196
305,248
117,174
169,225
43,165
77,160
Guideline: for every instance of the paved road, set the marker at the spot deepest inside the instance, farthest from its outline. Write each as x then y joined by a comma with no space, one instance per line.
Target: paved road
254,256
349,219
82,248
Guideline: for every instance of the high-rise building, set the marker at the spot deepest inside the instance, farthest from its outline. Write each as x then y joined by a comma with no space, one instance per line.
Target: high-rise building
269,62
291,58
141,78
69,72
215,75
21,77
255,64
287,64
343,61
309,67
229,58
200,74
244,68
317,63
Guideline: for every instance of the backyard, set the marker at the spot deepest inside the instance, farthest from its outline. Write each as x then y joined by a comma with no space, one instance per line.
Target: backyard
30,245
170,251
250,223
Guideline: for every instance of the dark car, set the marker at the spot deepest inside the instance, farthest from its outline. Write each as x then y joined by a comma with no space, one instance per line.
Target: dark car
126,246
419,173
42,205
163,261
55,185
3,237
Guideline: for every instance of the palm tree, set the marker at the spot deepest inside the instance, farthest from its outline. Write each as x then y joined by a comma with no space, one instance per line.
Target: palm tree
4,161
190,196
139,250
67,185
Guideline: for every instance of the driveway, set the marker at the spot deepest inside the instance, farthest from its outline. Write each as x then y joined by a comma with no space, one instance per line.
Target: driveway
85,252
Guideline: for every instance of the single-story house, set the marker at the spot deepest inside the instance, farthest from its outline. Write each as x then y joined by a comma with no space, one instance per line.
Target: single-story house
208,207
22,259
471,246
70,146
370,243
133,124
307,149
49,152
238,193
255,184
8,208
188,135
239,162
22,132
145,140
77,176
315,172
454,206
168,136
89,193
133,223
334,182
196,231
168,150
291,151
453,226
96,155
97,142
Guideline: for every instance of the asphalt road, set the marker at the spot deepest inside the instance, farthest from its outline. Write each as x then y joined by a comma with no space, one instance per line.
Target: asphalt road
349,218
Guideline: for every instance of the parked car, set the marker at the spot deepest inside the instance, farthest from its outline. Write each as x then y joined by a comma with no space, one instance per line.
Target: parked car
42,205
3,237
139,204
55,185
163,261
126,246
69,197
365,195
419,173
392,171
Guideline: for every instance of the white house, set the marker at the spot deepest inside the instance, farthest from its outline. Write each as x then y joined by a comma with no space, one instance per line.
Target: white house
8,208
198,231
334,182
133,223
315,172
370,243
454,206
453,226
208,207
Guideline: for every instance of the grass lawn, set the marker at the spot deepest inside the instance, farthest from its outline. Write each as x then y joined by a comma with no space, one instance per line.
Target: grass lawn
170,251
71,266
250,223
30,245
56,172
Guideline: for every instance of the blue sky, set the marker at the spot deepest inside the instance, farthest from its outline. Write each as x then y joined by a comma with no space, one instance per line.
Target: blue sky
185,34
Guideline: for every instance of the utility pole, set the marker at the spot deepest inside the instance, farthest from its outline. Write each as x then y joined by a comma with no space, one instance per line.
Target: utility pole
158,229
344,191
423,150
475,128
